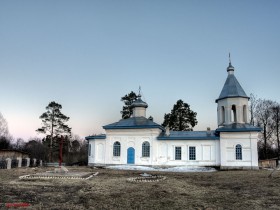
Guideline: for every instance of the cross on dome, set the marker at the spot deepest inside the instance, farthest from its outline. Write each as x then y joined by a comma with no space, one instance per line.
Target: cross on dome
230,68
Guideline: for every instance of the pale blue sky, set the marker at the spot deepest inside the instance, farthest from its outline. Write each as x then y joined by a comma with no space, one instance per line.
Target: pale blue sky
87,54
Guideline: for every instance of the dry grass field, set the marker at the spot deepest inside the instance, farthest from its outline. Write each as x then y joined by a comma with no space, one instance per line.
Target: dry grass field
111,190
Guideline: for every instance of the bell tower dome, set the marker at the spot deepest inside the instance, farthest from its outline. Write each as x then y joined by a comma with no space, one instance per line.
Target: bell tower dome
139,107
233,101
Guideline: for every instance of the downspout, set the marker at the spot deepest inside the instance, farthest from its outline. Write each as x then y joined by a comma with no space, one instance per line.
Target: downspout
151,147
251,150
105,155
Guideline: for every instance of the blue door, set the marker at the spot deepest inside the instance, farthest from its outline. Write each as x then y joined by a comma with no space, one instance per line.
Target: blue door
130,155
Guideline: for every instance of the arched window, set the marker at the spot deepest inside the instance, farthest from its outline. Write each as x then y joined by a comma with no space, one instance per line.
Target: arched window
223,114
233,113
117,149
238,152
245,113
146,149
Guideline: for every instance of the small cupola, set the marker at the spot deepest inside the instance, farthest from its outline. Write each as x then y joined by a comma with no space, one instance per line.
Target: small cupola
230,68
139,107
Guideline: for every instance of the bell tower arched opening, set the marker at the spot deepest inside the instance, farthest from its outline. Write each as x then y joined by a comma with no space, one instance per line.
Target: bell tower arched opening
233,114
223,115
245,115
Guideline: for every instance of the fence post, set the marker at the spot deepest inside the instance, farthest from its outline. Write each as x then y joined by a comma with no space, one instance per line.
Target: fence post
34,162
41,163
9,163
19,161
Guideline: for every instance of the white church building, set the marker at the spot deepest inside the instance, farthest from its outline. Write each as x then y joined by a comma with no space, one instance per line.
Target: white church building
140,141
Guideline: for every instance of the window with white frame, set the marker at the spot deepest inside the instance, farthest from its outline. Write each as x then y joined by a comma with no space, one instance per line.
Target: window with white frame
146,149
192,155
238,152
117,149
89,149
178,153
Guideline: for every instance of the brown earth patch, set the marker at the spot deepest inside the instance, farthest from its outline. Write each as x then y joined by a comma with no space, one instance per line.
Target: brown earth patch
111,190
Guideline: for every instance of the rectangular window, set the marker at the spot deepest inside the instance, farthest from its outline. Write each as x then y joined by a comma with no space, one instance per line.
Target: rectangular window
238,152
192,153
117,150
89,149
146,149
178,153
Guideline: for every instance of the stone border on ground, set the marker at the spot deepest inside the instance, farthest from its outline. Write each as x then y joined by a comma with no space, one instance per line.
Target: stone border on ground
61,176
155,178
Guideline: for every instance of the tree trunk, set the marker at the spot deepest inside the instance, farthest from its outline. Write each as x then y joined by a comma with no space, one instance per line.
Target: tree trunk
51,143
277,131
265,143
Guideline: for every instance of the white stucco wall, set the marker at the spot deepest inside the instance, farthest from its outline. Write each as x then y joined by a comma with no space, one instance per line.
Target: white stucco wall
131,138
248,141
162,152
206,152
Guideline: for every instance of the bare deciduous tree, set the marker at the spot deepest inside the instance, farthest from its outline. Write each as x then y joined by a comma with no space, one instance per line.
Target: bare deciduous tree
4,131
252,108
19,144
5,137
36,149
264,119
276,118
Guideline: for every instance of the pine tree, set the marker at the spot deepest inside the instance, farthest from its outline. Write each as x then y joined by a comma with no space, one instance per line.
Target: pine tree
53,124
181,118
128,99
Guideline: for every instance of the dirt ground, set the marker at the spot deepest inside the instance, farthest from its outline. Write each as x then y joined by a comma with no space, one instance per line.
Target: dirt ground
111,190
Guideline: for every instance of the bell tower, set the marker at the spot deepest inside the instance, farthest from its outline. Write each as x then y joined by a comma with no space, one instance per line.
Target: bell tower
233,101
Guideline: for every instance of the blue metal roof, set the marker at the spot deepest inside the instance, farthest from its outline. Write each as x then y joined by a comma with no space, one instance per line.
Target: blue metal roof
189,135
231,88
176,135
133,123
238,127
101,136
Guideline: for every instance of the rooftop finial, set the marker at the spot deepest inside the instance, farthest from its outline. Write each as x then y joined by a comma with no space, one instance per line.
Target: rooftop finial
139,93
230,68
